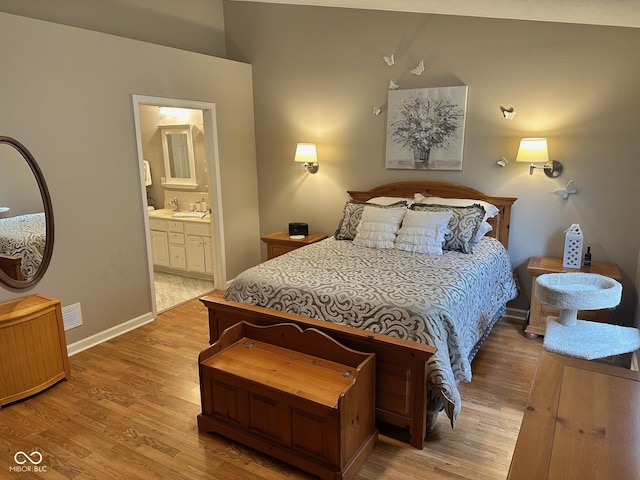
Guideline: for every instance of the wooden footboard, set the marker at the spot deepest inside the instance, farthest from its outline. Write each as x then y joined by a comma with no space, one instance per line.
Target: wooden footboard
10,264
401,365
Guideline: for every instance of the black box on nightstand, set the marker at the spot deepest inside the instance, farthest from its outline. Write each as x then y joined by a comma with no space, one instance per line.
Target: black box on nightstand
296,228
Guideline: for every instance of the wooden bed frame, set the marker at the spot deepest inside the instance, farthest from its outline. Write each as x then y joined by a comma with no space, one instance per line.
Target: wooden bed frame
500,222
10,265
401,371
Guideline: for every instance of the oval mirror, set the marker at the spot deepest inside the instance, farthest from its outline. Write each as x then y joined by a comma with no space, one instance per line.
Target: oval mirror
26,217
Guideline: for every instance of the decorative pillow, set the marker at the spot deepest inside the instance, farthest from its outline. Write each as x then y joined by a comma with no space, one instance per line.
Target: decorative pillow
463,225
352,215
379,226
423,232
490,209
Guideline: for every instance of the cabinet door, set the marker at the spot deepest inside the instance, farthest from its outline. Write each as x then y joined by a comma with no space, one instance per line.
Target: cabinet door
208,254
178,256
160,248
195,254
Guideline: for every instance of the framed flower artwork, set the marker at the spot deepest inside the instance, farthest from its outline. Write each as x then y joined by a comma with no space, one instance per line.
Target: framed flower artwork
425,128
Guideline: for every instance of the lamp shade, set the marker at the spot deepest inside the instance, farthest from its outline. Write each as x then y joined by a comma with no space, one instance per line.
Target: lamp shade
306,153
533,150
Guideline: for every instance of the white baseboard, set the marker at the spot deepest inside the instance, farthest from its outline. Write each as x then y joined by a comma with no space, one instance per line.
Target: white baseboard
109,333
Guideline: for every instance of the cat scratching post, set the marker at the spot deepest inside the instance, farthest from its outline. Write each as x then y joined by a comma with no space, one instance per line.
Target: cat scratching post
565,334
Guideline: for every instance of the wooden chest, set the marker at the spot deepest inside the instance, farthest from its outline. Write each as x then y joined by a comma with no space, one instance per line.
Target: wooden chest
296,395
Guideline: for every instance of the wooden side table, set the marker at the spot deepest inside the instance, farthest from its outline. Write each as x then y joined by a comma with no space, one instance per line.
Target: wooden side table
538,312
279,243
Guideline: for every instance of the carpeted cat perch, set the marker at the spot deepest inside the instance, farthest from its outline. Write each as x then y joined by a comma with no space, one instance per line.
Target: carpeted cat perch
566,335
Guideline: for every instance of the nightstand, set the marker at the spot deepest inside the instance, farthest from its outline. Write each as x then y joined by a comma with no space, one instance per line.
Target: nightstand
279,242
538,312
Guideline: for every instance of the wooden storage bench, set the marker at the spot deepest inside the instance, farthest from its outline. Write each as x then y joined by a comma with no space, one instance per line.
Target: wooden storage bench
296,395
401,365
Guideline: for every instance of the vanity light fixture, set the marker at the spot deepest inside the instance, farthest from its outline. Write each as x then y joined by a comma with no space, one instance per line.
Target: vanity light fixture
306,157
534,150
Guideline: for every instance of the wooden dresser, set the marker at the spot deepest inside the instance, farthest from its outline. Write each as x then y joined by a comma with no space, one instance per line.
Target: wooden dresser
296,395
33,348
538,312
581,422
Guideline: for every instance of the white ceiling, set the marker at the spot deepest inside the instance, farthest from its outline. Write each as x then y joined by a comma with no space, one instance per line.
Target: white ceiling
621,13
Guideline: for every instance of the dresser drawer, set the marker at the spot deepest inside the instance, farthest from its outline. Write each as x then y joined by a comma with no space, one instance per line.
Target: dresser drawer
176,238
200,229
175,226
158,224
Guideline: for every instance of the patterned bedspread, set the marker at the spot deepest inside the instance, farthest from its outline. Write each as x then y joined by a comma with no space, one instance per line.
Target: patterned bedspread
450,301
25,237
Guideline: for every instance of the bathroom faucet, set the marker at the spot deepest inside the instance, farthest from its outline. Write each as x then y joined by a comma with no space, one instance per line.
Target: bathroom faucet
174,201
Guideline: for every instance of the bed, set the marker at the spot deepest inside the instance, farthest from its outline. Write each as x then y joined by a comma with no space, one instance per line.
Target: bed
449,300
22,244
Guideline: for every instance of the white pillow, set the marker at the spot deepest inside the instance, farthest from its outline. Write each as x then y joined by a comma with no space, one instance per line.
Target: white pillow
379,227
389,200
423,232
483,229
489,208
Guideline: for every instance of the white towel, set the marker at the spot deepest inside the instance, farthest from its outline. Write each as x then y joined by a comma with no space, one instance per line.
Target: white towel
147,173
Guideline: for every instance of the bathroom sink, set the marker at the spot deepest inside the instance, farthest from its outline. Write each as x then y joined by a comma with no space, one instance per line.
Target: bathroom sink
188,214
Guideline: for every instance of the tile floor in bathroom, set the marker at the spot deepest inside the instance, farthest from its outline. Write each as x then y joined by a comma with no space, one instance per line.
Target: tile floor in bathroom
172,290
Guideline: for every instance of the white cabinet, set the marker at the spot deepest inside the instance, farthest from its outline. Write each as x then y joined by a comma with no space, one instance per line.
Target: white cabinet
159,242
177,249
160,248
199,256
182,247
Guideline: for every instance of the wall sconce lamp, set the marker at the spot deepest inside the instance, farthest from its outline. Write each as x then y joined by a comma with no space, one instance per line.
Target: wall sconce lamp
306,157
534,150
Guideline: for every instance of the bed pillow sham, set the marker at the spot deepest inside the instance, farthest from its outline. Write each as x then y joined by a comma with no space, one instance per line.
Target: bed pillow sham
423,232
490,210
463,225
379,226
389,200
483,229
352,215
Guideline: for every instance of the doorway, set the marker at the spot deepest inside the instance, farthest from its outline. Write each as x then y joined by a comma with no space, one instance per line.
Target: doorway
170,286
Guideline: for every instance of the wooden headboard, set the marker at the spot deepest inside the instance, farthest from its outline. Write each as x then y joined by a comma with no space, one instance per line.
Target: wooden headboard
500,222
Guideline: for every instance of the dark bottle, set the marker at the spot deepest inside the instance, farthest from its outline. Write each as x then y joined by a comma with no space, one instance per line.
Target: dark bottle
587,257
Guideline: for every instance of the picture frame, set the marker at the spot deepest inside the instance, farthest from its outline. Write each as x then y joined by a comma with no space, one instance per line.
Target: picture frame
425,128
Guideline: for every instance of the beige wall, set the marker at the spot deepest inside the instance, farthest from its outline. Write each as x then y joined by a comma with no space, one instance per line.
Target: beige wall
195,25
66,94
18,186
319,71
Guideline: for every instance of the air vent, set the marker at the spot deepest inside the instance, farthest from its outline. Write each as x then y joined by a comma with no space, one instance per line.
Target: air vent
72,316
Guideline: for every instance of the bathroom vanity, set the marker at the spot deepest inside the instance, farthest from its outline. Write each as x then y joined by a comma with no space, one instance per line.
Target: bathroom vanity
181,244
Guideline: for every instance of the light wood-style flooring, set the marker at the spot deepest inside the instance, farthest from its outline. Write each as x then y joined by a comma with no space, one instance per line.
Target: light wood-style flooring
129,412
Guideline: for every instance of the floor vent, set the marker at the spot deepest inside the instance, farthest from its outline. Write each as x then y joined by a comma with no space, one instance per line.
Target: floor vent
72,316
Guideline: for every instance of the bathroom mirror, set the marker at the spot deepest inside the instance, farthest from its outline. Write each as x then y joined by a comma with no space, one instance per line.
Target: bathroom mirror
179,161
26,217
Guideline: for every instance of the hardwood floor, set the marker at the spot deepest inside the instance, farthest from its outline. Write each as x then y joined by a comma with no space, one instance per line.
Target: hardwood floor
129,412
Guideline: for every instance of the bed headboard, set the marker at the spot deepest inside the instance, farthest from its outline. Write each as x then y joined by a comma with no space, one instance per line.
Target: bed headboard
500,222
